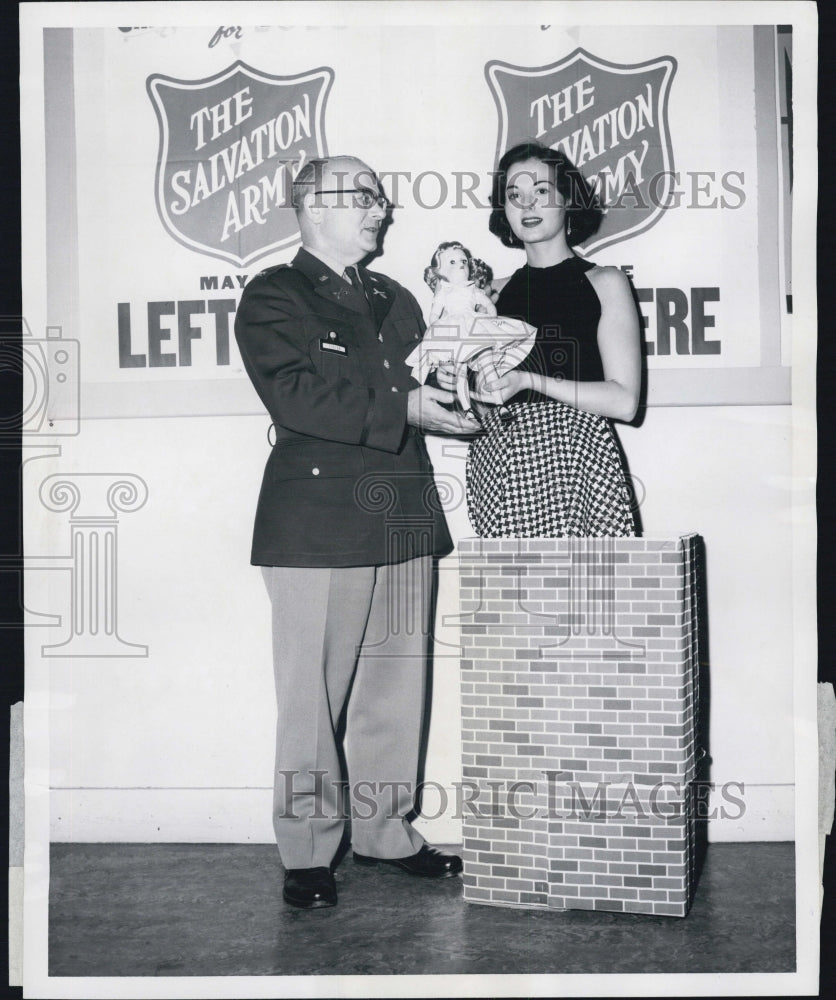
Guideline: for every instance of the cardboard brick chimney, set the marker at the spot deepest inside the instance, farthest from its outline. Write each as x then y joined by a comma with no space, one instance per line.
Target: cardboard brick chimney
579,701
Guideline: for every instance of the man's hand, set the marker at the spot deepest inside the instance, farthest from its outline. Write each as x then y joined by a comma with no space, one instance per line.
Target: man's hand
427,410
446,374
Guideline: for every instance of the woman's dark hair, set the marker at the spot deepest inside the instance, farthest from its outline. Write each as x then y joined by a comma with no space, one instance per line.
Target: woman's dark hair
583,207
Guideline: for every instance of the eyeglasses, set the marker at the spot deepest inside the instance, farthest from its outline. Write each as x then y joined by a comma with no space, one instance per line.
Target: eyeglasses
362,197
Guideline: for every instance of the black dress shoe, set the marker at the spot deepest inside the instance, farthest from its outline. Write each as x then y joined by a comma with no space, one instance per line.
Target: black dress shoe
428,862
309,887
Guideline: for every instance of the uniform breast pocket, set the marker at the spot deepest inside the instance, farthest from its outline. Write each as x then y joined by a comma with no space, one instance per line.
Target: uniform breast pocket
333,352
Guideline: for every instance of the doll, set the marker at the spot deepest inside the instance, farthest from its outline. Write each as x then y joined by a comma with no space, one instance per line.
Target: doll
465,329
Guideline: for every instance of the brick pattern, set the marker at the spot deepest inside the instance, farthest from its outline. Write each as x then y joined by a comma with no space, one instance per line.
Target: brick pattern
579,703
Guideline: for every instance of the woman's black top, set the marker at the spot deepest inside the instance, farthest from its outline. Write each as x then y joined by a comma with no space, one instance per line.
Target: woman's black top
562,304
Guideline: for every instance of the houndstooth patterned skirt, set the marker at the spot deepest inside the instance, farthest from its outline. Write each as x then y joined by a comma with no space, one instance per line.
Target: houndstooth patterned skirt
554,472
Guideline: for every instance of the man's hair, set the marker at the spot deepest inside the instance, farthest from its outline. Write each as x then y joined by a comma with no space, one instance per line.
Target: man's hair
306,181
309,178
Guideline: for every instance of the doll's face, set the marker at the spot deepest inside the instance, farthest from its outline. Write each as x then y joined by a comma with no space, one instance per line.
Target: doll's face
454,266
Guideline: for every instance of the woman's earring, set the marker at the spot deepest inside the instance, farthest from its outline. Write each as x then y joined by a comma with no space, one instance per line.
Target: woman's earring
569,225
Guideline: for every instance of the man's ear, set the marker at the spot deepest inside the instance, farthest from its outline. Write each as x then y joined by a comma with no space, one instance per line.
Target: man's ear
311,209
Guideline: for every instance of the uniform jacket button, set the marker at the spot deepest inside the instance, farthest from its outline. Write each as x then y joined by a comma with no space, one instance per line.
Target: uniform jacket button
394,388
315,471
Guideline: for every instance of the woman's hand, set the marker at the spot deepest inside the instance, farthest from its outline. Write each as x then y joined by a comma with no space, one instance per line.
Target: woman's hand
500,390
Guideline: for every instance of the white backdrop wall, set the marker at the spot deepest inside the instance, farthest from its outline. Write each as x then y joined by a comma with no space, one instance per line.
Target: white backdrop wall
176,744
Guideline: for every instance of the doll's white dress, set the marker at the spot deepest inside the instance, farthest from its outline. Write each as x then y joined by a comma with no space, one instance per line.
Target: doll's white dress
461,333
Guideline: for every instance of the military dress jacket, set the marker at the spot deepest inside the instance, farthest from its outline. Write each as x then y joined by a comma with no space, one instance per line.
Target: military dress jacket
348,481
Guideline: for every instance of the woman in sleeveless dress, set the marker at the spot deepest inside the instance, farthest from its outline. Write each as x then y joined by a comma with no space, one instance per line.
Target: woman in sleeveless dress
556,471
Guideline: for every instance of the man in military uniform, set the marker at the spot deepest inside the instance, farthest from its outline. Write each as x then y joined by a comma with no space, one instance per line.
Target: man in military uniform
347,525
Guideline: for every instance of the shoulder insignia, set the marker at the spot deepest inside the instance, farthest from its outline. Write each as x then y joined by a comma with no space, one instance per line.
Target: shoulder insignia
272,270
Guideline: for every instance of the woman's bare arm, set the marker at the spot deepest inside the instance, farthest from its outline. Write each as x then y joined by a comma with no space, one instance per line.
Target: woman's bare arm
617,396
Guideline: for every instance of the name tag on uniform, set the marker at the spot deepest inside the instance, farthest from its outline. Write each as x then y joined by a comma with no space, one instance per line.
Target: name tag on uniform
332,347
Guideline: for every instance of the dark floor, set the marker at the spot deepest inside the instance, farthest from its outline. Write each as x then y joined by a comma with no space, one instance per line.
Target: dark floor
216,910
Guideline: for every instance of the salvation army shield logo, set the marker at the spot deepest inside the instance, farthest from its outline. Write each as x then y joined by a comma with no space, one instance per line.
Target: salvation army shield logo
230,146
611,120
